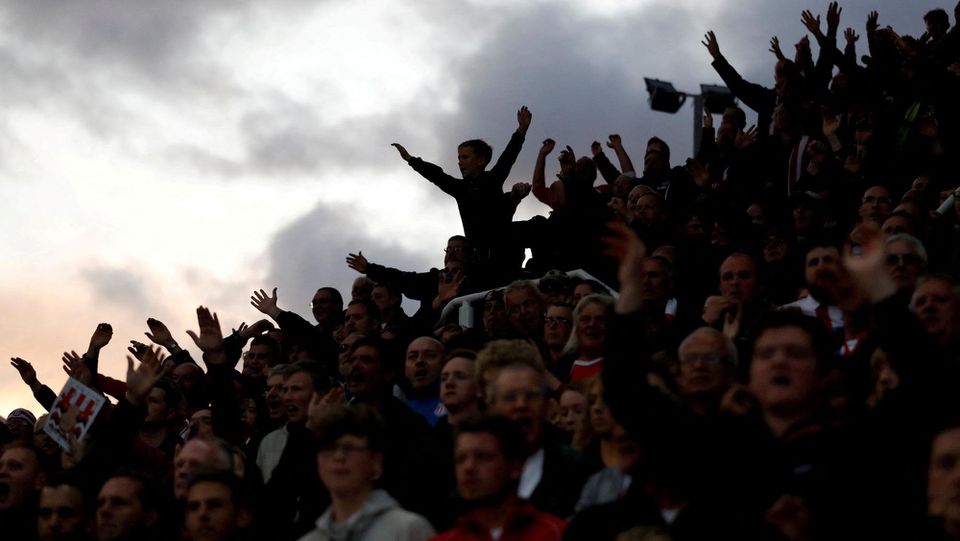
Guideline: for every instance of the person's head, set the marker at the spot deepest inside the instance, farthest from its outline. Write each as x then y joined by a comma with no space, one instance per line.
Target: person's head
458,381
899,222
423,361
127,507
557,326
199,454
633,198
498,354
361,289
943,478
937,22
821,268
906,260
387,297
775,247
589,326
350,449
301,380
791,352
264,352
458,249
739,283
518,391
61,513
344,348
370,371
201,423
494,315
572,406
875,205
21,477
274,393
657,156
524,305
936,303
649,210
362,317
656,280
555,286
489,454
218,507
189,377
163,403
707,364
20,423
735,116
598,414
326,305
806,212
473,157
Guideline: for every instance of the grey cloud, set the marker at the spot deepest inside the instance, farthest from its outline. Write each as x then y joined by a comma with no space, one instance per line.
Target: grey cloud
117,285
309,253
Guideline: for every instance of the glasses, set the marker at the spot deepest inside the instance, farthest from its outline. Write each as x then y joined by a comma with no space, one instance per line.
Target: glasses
551,320
345,449
712,359
905,259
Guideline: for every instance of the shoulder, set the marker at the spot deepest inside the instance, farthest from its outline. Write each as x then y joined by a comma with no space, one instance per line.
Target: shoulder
405,525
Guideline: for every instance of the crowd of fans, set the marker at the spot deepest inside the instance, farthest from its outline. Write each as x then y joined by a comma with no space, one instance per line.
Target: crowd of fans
770,349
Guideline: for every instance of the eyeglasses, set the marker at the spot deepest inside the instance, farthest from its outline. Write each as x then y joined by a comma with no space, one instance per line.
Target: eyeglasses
551,320
345,449
906,259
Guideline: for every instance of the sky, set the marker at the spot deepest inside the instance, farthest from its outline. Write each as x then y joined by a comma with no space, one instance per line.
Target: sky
157,156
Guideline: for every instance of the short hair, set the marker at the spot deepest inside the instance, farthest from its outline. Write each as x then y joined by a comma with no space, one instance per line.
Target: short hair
149,494
823,344
172,394
239,491
480,147
508,433
738,114
573,344
264,340
356,420
729,348
390,358
500,354
661,142
279,370
524,285
468,354
391,287
372,311
939,16
912,241
320,376
334,293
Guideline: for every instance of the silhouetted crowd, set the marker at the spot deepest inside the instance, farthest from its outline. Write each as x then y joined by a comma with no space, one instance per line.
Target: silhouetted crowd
760,343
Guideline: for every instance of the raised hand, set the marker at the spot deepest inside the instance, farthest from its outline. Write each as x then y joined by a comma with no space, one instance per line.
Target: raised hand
159,334
524,116
74,367
746,138
732,321
137,349
872,23
447,288
851,36
867,270
548,145
613,141
27,372
356,262
520,190
258,328
710,42
403,152
698,171
210,339
266,303
831,122
321,404
145,376
812,23
101,336
713,309
833,18
596,148
775,48
568,160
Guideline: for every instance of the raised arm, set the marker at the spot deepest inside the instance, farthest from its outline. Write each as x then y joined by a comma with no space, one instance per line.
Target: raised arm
539,182
754,96
210,339
500,170
626,165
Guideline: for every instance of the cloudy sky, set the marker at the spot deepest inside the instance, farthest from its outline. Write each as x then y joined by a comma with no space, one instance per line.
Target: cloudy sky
155,156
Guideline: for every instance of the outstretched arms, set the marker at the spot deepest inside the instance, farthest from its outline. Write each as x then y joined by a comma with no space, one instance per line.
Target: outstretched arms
539,182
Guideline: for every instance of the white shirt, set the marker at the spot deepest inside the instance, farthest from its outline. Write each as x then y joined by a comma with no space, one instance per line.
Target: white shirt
532,473
808,306
271,447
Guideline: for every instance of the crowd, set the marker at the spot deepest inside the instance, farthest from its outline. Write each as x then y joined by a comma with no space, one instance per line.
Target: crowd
770,348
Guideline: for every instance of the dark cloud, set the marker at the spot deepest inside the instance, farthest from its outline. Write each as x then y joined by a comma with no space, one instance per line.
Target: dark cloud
117,285
310,252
